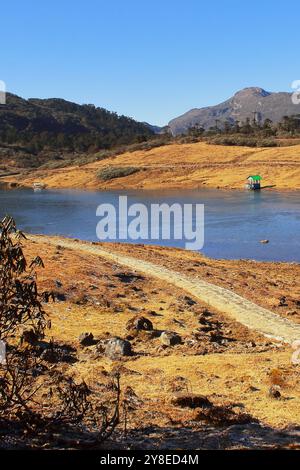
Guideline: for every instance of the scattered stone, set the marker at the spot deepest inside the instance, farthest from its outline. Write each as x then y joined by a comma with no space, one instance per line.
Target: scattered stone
170,338
60,296
118,309
253,389
190,400
117,347
133,309
282,301
155,314
58,283
86,339
274,392
56,353
189,301
128,277
139,323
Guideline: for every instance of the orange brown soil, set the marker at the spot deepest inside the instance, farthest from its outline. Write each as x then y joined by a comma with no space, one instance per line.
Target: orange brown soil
226,362
189,166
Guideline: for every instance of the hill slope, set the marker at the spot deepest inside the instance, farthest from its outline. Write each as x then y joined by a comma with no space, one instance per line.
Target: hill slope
241,106
196,165
56,124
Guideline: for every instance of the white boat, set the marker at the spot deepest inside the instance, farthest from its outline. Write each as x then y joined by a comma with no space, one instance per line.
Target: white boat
38,187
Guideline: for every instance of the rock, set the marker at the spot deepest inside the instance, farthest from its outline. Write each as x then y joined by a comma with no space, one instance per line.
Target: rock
86,339
190,400
253,389
128,277
57,353
139,323
274,392
154,313
117,347
189,301
282,301
265,241
169,338
60,296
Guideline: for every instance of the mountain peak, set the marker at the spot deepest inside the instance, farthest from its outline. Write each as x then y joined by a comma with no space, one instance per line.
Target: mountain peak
239,107
252,91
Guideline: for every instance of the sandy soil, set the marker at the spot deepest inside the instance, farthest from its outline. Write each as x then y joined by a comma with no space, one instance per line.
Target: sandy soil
188,166
219,357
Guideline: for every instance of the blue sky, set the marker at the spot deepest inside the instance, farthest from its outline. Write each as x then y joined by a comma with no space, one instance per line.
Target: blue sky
152,60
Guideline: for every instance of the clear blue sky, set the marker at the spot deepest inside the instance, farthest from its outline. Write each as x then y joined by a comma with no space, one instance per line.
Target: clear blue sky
152,60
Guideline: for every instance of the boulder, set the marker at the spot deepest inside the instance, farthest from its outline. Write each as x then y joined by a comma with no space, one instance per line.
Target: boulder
170,338
86,339
139,323
117,347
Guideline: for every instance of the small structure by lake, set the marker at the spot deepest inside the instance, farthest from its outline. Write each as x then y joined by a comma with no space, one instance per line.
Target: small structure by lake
37,187
253,182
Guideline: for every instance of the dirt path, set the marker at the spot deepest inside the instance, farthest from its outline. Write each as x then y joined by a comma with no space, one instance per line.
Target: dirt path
224,300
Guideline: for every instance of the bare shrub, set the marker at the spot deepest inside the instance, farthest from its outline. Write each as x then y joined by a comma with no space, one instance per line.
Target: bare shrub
20,303
38,399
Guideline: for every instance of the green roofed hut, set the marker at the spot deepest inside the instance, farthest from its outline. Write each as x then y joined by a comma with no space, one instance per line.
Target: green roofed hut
253,182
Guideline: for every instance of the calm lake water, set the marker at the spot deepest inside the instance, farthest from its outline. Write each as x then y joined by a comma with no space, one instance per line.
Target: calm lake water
235,221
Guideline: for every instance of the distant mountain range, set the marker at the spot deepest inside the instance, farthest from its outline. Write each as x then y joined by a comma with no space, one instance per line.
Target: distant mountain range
246,103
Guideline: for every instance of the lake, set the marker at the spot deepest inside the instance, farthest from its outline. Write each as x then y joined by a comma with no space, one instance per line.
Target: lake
235,221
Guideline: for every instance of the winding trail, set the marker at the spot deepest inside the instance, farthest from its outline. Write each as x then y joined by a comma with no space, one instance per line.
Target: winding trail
233,305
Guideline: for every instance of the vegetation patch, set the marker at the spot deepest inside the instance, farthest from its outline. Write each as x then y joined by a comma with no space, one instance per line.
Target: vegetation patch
110,173
243,141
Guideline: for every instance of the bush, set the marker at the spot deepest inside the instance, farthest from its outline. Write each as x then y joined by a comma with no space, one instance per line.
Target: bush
242,141
268,143
109,173
20,303
40,404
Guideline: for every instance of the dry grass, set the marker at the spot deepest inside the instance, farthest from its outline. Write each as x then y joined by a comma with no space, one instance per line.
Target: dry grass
194,165
239,372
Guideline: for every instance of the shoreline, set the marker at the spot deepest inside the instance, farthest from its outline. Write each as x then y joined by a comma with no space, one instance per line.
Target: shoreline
13,185
149,246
